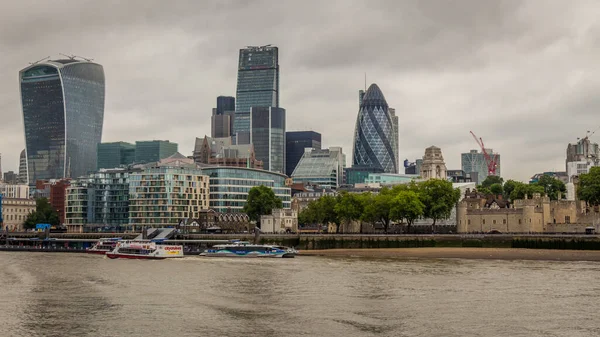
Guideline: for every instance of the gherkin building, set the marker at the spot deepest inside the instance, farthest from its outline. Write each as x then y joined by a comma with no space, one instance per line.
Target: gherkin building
374,144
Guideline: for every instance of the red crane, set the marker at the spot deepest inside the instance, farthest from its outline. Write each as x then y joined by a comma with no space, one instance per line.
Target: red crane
490,161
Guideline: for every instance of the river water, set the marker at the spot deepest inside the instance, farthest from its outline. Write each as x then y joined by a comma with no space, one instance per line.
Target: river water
85,295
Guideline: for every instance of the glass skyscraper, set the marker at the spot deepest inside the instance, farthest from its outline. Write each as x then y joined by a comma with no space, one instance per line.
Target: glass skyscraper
374,145
113,155
257,82
295,143
153,150
267,134
63,113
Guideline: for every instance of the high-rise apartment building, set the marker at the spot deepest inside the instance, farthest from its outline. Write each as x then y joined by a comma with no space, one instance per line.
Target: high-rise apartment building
374,133
114,155
153,150
257,83
295,143
63,113
267,134
475,165
98,200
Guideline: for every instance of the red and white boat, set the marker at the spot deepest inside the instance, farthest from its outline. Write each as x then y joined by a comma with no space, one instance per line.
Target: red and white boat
144,249
103,246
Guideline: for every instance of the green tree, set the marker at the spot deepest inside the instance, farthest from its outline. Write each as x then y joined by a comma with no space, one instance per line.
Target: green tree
44,213
377,207
261,201
552,186
588,188
508,187
491,180
349,207
496,189
407,205
521,190
439,199
484,190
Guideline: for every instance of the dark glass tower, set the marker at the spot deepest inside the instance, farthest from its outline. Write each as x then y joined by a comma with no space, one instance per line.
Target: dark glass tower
224,104
374,134
267,134
257,82
295,143
63,113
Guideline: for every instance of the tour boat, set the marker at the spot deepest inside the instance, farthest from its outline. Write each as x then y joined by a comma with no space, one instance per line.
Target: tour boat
144,249
246,249
103,246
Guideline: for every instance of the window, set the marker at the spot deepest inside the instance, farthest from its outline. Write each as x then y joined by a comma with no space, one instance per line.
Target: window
519,221
567,219
469,221
484,221
494,222
504,221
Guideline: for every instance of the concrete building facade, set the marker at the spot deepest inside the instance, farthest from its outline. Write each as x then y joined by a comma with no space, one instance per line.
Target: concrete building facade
15,212
280,221
433,166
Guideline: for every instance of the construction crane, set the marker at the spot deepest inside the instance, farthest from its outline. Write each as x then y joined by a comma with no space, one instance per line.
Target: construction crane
491,161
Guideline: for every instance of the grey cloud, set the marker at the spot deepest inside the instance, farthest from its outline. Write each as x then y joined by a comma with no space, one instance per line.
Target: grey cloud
522,75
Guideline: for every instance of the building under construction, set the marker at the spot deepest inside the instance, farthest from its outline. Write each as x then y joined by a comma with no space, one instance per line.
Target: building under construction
475,164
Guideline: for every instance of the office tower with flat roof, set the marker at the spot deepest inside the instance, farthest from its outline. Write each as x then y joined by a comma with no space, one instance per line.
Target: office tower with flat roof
153,150
223,117
63,112
257,83
224,104
267,134
295,143
116,154
324,168
374,133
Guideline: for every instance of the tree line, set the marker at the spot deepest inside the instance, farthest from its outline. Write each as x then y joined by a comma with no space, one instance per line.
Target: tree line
513,190
433,199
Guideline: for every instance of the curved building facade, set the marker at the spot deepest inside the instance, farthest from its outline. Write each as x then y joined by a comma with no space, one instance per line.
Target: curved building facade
374,144
63,113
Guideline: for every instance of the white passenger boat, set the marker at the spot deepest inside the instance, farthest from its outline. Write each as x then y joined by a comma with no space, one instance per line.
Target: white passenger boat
144,249
246,249
103,246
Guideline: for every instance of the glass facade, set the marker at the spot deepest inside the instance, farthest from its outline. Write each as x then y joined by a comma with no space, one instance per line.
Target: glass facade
324,168
258,78
241,122
153,151
224,104
101,198
373,136
267,134
229,187
63,113
295,143
113,155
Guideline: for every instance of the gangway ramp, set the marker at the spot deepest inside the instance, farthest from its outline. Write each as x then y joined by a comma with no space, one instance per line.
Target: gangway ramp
164,234
150,233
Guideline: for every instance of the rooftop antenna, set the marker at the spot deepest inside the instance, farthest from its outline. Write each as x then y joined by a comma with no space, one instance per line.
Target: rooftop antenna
72,57
38,61
85,58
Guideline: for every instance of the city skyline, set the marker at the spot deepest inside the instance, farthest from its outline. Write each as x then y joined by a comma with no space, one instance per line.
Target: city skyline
510,78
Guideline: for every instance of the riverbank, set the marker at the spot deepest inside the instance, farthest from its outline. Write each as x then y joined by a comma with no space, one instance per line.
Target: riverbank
462,253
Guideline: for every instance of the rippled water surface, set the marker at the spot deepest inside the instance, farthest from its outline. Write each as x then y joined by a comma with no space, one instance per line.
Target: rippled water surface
86,295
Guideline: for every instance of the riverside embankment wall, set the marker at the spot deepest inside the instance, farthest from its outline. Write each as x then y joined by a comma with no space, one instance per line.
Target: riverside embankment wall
348,241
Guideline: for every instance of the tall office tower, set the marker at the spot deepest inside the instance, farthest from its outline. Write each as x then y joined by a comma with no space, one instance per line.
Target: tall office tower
222,117
63,113
224,104
395,139
23,168
295,143
257,83
267,134
153,150
475,164
373,143
114,155
0,166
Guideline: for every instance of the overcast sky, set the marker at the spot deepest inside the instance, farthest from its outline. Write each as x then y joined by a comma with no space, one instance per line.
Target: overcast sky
524,76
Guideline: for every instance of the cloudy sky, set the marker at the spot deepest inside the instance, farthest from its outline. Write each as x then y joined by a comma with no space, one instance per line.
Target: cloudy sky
524,75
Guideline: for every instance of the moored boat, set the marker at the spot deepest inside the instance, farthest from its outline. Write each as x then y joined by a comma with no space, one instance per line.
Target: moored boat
246,249
103,246
144,249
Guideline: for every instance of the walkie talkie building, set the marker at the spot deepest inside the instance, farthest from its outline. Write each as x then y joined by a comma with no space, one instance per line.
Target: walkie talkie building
63,113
